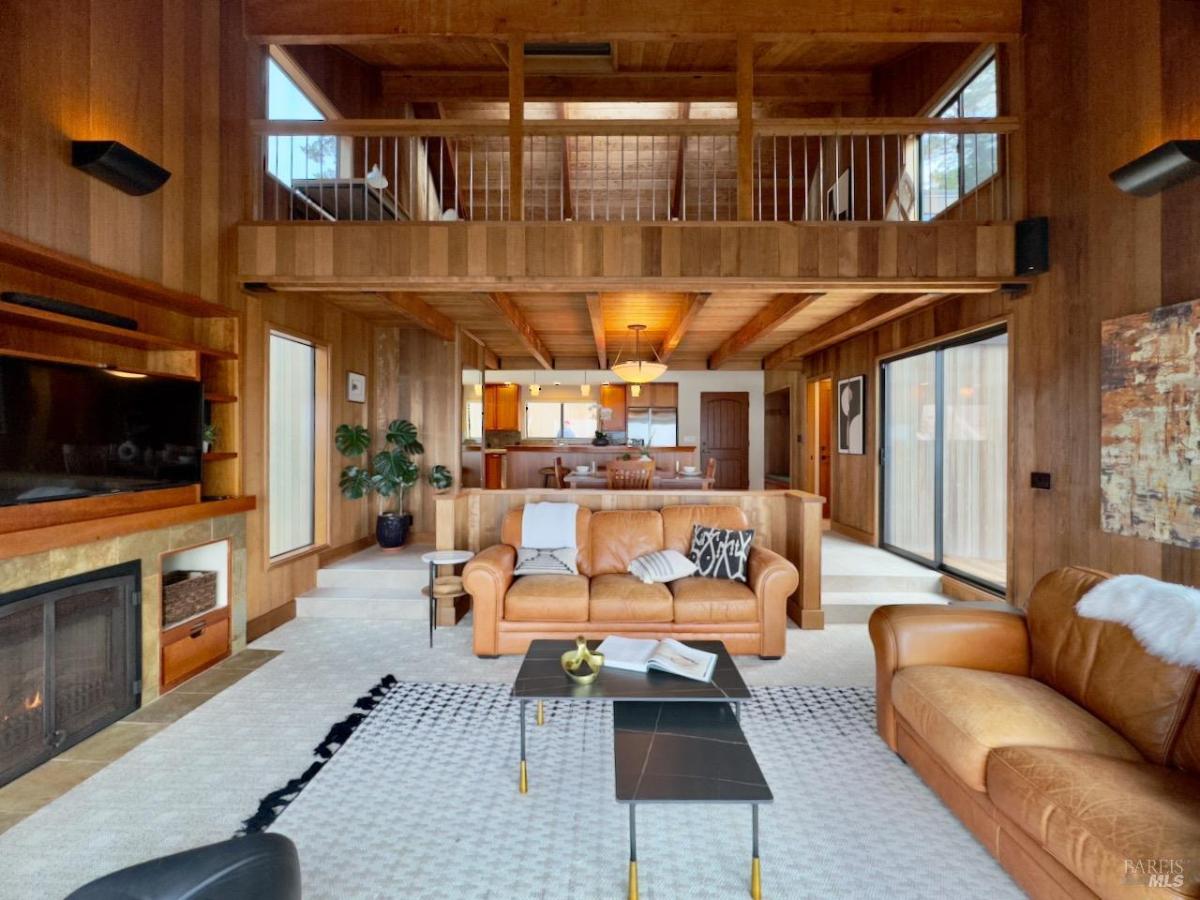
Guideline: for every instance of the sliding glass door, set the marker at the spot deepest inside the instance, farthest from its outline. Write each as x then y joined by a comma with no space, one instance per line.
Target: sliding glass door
945,457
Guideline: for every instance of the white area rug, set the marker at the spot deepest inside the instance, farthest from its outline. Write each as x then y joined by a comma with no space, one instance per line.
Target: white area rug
422,802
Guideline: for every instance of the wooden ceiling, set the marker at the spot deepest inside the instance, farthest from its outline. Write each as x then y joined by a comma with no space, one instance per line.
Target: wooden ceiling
724,329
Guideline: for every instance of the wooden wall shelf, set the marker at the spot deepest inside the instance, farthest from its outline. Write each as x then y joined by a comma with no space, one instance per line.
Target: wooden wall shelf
37,540
69,325
201,340
31,256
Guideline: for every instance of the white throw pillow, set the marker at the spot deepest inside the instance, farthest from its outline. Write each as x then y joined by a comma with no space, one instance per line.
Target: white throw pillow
533,561
662,566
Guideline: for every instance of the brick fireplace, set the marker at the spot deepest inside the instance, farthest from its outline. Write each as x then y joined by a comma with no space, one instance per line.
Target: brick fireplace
70,662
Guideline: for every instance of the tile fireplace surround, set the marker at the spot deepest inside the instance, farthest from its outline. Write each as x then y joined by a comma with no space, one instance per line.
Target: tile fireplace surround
146,547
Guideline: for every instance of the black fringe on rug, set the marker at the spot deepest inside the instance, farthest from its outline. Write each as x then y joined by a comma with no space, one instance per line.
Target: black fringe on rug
272,805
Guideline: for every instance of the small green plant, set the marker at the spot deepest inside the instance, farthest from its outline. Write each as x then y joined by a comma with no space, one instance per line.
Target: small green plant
440,478
209,435
392,470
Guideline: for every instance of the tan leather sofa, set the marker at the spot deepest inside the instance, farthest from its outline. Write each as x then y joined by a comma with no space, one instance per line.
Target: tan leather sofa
1068,750
604,599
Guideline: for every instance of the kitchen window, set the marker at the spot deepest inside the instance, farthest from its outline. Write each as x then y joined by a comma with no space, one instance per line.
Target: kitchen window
545,419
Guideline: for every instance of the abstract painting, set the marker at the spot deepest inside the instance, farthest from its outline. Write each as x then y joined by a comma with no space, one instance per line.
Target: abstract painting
851,419
1150,425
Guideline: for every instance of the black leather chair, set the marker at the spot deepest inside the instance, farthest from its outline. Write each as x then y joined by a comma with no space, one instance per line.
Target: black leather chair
257,867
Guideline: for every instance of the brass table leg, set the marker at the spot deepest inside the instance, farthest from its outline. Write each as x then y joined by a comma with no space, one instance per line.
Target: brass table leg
633,885
755,866
523,785
541,716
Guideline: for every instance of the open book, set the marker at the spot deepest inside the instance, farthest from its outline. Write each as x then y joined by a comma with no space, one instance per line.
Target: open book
665,655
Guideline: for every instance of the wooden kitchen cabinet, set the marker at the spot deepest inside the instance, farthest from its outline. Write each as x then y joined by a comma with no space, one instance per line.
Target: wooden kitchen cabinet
493,471
659,394
501,407
613,397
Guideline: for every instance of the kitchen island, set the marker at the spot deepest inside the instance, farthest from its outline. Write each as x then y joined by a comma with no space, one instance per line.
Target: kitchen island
524,462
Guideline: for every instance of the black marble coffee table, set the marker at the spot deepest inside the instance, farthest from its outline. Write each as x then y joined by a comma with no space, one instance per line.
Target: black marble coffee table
682,752
541,678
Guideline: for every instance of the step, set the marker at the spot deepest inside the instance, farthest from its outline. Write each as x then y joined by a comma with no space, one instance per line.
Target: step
924,581
855,607
407,581
362,603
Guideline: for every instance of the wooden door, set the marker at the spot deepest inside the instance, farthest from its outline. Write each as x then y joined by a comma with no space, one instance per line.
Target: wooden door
824,441
725,437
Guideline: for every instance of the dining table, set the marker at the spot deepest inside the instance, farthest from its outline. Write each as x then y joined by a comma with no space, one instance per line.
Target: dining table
664,480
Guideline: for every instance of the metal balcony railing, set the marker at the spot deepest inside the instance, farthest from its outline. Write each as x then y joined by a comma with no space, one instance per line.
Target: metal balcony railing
860,170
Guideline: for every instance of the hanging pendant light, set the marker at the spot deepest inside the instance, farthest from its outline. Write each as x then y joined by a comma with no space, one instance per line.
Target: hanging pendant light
638,370
585,389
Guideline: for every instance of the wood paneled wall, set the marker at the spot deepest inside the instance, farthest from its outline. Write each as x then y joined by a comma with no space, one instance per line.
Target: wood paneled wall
572,256
420,379
1107,82
349,338
143,72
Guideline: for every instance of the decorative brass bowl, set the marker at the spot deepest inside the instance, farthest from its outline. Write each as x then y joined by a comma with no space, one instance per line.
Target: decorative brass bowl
581,664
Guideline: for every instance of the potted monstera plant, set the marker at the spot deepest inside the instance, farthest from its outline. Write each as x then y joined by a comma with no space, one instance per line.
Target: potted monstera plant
391,472
440,479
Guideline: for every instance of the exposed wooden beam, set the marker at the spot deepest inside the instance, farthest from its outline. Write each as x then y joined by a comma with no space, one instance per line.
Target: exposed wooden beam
874,312
692,304
595,305
422,85
421,313
745,115
684,111
354,21
515,318
781,308
516,128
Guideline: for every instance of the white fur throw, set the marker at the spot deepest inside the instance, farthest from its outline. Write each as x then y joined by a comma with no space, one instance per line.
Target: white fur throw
1164,617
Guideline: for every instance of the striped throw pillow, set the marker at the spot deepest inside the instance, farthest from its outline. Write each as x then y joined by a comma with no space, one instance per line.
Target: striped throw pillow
662,566
532,561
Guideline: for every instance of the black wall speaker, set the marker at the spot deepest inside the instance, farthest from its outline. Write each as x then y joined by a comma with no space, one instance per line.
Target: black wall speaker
114,163
66,308
1033,246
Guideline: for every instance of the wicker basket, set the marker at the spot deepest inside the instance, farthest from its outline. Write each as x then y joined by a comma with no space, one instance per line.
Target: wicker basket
187,594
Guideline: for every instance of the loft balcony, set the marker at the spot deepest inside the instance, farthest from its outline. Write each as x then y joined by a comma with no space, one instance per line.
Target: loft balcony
630,203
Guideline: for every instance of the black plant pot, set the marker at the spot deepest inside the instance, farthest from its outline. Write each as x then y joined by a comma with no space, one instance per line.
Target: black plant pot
391,530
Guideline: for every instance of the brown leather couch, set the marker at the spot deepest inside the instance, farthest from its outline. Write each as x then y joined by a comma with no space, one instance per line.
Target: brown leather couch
1069,751
604,599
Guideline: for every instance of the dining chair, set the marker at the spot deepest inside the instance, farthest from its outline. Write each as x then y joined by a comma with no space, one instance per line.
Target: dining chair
630,475
710,472
560,473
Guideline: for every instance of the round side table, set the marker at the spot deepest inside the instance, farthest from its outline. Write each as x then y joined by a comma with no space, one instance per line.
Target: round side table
445,586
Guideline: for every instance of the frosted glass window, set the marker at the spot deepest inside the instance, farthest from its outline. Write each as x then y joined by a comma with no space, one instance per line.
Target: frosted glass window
292,444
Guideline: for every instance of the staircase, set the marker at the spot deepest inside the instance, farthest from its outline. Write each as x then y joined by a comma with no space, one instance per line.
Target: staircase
856,578
372,584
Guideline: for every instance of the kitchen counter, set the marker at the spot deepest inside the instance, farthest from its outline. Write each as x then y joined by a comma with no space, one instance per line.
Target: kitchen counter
525,461
591,448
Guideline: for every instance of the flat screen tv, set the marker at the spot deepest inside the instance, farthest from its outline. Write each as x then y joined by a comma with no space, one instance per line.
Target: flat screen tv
78,431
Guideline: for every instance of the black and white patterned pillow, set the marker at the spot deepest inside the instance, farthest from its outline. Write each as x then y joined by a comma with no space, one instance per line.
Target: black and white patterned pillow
531,561
721,552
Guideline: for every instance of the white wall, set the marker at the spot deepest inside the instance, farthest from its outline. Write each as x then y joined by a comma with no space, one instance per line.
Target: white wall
691,385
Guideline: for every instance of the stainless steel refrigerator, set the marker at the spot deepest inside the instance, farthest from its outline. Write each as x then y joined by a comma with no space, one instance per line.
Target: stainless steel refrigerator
653,427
